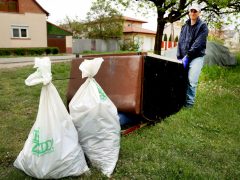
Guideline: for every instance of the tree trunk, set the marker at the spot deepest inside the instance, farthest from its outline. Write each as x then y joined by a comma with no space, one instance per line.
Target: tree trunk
160,28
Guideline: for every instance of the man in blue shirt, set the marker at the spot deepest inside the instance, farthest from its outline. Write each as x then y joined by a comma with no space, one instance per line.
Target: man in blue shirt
191,49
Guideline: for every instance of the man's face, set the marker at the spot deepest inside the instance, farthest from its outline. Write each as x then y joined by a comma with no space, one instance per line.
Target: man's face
193,14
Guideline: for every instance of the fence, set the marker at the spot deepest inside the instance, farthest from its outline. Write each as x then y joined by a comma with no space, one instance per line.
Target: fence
99,45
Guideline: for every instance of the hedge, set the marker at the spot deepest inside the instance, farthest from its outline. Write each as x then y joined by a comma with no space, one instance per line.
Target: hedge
28,51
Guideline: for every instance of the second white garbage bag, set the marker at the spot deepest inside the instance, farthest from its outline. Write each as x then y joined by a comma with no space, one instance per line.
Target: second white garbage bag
96,120
51,150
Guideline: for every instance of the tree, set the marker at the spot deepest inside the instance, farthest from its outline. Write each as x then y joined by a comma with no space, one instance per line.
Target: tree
76,26
169,11
165,37
103,21
176,39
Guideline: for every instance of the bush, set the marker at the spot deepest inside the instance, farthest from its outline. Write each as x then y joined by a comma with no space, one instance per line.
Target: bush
40,51
170,38
54,50
5,52
31,52
19,52
215,39
130,45
165,37
48,51
176,39
28,51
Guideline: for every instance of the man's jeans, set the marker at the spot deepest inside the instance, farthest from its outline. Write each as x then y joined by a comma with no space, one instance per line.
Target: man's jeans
194,71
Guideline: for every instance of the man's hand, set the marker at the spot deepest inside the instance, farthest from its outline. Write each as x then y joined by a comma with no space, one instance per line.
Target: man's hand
185,61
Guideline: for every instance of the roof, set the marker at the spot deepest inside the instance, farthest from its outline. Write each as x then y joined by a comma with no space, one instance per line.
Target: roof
138,30
47,13
56,30
133,19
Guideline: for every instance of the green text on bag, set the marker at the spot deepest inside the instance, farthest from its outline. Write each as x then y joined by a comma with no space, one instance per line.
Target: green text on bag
41,148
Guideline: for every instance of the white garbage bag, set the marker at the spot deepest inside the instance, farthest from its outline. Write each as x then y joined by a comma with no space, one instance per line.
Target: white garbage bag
51,149
96,119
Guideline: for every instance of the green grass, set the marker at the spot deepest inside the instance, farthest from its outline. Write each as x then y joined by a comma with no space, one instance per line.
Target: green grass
198,143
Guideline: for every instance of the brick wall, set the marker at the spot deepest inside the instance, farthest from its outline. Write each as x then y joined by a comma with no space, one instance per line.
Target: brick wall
29,6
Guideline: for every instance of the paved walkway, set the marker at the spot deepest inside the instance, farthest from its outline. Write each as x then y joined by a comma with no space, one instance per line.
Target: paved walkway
23,61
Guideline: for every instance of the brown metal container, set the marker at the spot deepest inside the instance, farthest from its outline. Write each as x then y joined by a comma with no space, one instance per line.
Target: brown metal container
152,87
119,76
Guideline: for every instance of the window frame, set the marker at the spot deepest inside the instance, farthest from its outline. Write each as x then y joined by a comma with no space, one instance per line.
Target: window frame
20,28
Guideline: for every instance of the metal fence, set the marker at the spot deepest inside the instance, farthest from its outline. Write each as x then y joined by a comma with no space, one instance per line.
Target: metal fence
99,45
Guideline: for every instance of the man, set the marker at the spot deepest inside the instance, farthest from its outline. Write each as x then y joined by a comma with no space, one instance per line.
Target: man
191,49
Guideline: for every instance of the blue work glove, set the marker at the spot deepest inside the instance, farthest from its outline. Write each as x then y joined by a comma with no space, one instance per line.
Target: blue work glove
185,61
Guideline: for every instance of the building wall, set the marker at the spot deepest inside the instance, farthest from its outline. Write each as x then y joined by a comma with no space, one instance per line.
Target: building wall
132,24
146,41
37,30
28,6
68,44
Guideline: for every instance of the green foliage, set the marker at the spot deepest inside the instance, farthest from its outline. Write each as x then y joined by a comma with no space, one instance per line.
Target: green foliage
74,25
104,21
28,51
176,39
238,57
54,50
130,45
5,52
48,51
20,51
165,37
170,37
215,39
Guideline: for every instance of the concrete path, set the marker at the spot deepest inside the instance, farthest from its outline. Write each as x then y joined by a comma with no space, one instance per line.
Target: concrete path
24,61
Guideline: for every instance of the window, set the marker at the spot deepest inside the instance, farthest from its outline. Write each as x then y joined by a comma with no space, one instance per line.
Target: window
20,32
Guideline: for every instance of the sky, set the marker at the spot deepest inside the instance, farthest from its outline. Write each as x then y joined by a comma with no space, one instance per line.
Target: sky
59,9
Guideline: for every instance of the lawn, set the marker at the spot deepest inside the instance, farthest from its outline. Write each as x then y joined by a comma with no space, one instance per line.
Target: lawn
198,143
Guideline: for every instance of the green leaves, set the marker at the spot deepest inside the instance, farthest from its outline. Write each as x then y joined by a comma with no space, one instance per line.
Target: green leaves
104,21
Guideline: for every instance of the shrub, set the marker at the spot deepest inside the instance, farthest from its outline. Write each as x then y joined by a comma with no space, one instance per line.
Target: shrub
19,52
48,51
31,52
5,52
130,45
215,39
170,38
28,51
39,51
165,37
176,39
55,50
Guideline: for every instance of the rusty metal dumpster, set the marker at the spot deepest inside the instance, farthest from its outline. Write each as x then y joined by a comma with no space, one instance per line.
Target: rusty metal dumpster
151,87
